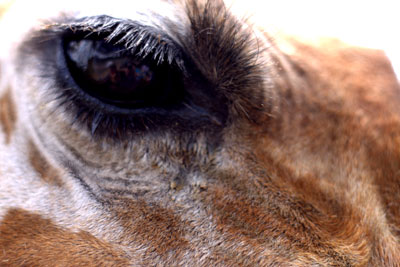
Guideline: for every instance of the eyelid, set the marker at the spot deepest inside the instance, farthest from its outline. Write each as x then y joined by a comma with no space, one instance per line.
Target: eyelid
104,120
139,40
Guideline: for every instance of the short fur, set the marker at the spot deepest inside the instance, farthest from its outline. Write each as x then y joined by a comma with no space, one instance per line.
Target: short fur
291,157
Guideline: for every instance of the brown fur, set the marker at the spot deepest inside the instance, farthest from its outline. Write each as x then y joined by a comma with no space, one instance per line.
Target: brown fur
302,170
153,226
30,240
47,172
8,115
347,127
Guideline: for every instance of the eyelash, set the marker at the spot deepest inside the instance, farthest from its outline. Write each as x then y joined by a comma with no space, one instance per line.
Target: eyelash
106,121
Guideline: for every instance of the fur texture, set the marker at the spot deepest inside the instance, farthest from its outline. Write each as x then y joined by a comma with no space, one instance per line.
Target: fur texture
277,156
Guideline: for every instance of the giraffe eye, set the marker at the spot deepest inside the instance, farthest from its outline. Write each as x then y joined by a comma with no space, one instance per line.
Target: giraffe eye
115,76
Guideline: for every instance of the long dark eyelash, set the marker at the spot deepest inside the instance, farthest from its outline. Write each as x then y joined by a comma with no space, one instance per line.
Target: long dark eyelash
138,40
103,120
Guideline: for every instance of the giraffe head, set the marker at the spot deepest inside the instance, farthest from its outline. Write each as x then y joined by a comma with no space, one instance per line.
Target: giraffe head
179,133
150,99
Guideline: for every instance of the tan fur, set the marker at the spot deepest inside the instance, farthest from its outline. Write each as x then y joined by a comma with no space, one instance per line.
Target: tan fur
8,115
48,173
30,240
302,169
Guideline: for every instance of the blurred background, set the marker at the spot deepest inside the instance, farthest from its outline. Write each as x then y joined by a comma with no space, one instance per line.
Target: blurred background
368,23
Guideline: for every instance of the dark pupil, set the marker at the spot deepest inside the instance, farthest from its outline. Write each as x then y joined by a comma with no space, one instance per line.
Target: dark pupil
114,76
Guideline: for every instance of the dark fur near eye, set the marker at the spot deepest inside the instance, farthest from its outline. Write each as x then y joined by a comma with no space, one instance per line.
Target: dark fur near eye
227,54
217,56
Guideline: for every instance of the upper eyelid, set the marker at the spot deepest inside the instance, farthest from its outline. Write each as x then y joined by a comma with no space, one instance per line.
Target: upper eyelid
137,38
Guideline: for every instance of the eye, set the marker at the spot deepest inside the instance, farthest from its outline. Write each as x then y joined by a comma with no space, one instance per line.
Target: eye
117,79
114,75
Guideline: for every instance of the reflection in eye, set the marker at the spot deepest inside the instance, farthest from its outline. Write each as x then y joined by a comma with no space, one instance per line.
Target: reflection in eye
121,75
113,75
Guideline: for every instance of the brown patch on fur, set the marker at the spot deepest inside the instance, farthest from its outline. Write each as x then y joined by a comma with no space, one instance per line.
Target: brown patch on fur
47,172
8,115
360,103
275,220
385,163
153,226
336,132
28,239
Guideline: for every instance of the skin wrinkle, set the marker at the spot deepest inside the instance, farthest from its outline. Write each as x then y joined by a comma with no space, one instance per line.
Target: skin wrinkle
301,170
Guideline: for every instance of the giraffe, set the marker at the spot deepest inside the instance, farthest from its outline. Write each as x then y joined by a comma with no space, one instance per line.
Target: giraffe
176,133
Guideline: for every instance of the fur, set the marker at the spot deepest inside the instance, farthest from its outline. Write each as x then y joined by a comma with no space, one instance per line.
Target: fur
284,154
